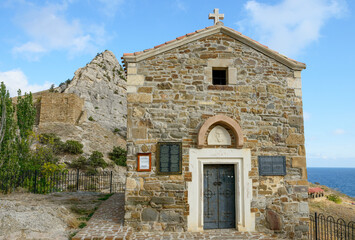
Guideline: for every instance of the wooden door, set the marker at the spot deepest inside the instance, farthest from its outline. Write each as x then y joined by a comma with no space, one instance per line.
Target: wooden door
219,196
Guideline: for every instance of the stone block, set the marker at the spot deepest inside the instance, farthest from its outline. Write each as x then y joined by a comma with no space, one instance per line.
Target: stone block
131,89
139,133
295,121
135,80
162,200
173,186
219,62
131,183
294,83
208,55
136,200
303,207
282,191
290,207
145,90
299,162
295,139
298,92
139,98
152,186
245,89
301,150
169,217
150,214
131,70
232,76
297,74
276,90
300,189
273,220
302,228
165,85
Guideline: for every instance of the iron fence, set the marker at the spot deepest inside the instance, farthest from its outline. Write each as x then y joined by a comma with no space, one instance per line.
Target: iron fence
64,181
327,228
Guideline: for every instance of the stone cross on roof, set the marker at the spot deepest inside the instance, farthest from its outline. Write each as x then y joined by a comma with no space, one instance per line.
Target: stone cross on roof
216,16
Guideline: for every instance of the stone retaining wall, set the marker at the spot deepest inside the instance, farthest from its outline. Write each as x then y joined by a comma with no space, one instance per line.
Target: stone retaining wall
60,107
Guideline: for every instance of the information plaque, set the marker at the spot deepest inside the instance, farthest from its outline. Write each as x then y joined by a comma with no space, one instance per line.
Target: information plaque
169,158
144,163
272,165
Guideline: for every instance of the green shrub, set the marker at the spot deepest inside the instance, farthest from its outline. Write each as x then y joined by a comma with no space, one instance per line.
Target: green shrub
58,146
96,160
91,118
73,147
42,155
116,130
82,225
48,138
119,156
79,163
334,198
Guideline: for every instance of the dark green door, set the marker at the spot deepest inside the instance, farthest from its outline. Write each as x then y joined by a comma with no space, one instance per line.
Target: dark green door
219,196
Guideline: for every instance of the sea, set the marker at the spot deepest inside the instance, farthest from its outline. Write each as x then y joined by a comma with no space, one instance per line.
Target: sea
341,179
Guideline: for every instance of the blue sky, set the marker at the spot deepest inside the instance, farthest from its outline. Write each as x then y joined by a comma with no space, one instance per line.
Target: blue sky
44,42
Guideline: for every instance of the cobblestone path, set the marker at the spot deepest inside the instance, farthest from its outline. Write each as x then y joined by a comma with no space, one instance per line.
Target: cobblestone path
107,223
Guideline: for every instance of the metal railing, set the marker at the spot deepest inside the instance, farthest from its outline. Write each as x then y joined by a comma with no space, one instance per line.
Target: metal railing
63,181
327,228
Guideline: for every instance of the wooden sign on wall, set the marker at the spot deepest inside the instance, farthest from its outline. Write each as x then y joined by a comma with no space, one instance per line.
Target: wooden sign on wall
144,162
169,158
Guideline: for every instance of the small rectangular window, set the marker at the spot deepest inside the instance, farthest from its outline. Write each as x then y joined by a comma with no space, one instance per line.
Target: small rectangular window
219,76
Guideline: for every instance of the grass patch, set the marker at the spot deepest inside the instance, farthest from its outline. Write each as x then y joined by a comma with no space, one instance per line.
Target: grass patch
334,198
82,225
80,211
104,198
72,235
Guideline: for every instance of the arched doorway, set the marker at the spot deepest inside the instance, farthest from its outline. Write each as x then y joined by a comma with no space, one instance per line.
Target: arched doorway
220,192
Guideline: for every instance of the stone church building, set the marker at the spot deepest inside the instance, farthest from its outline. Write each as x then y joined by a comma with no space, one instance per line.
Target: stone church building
215,136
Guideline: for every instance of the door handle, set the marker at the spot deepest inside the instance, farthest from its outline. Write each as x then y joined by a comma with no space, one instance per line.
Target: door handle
217,183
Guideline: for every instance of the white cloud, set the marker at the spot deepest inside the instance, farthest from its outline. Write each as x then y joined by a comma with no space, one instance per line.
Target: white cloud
306,116
49,29
180,5
16,79
110,7
339,131
291,25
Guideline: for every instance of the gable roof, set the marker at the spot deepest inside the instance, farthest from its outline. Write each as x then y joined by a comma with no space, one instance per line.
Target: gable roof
190,37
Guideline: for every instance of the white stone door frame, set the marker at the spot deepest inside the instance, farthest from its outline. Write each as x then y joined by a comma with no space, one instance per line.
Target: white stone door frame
241,159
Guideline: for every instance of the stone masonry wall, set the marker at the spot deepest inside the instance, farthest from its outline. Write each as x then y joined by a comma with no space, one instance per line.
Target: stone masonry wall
170,95
60,107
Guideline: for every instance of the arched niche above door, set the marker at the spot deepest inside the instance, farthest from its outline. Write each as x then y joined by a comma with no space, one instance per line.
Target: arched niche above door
220,120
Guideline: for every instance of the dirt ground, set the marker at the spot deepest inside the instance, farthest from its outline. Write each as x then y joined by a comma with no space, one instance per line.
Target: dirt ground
50,216
344,210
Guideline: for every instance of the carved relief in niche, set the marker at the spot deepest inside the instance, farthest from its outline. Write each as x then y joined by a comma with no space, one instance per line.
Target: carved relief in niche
219,136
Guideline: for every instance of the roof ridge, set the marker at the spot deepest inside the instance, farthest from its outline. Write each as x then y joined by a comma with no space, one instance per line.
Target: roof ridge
261,47
163,44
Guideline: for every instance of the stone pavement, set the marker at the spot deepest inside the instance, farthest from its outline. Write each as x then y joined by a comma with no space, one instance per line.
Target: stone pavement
107,223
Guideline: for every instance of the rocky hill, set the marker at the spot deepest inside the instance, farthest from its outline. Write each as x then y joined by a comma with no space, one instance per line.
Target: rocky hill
91,108
344,209
102,85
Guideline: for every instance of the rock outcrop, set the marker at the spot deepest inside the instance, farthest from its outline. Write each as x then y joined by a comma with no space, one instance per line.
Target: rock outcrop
91,108
102,85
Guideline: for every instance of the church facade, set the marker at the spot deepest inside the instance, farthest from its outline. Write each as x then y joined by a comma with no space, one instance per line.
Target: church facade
215,136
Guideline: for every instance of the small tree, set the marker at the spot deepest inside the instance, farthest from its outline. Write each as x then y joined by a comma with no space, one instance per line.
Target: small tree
119,156
26,116
7,129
